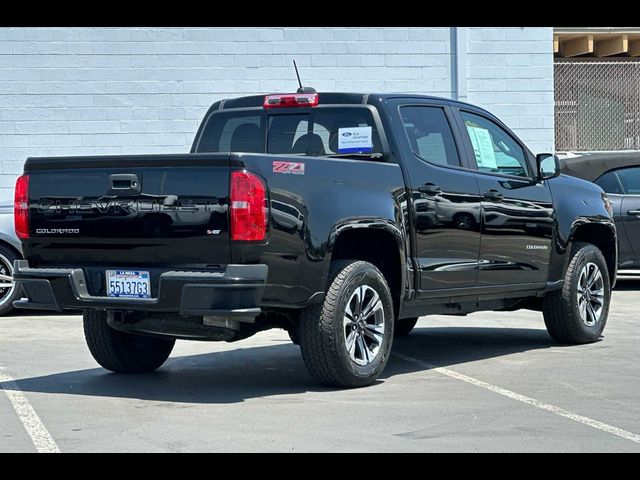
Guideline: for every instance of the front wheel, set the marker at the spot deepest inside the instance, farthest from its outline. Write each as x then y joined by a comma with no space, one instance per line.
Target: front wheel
123,352
578,313
345,341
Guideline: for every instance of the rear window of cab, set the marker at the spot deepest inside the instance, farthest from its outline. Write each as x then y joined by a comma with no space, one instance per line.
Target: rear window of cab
313,132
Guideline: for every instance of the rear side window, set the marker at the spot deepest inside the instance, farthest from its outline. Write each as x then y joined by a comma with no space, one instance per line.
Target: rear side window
630,179
430,135
314,132
609,183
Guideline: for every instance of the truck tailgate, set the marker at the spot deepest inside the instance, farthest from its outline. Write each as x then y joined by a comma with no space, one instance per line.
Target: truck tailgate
151,210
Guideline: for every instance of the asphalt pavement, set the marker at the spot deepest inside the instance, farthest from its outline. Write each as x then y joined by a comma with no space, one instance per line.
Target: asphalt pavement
486,382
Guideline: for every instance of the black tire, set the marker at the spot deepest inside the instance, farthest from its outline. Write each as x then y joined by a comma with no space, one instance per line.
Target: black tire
8,294
404,327
123,352
321,330
561,309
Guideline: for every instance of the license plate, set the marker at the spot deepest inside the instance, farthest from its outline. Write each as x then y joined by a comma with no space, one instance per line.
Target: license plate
128,284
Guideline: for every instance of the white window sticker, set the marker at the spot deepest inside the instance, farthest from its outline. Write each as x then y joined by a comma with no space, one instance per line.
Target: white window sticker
355,139
482,147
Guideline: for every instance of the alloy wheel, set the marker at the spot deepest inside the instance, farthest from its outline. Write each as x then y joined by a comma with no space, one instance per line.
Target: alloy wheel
364,325
590,294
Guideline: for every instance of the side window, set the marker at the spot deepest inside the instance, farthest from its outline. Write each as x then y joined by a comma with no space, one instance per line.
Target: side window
495,150
430,134
630,179
609,183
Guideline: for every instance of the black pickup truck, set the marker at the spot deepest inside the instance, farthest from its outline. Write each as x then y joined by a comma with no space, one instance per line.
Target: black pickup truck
339,217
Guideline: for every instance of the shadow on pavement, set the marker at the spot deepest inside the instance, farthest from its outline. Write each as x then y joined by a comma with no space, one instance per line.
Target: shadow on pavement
245,373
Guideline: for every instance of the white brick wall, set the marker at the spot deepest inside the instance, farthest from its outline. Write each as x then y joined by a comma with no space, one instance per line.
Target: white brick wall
510,73
75,91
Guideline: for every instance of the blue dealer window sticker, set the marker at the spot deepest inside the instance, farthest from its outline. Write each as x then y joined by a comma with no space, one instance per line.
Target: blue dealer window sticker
355,139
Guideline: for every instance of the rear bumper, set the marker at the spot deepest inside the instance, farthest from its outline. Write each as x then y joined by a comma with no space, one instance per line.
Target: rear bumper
233,292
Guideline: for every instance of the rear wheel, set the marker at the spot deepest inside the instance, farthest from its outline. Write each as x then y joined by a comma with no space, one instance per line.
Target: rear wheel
9,292
123,352
578,313
345,341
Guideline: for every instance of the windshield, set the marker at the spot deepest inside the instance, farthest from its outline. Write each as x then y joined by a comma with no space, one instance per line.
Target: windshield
315,132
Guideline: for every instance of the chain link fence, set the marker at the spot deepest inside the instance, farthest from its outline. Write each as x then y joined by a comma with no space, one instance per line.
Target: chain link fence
597,105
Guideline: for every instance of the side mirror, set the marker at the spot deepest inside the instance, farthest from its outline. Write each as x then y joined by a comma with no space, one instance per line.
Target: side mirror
548,166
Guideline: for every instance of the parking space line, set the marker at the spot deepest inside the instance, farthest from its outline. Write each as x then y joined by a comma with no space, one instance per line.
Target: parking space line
40,436
524,399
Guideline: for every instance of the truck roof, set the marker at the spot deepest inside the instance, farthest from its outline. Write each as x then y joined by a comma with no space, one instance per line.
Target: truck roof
334,98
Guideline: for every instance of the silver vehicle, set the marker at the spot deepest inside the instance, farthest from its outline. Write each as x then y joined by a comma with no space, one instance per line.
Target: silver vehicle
10,250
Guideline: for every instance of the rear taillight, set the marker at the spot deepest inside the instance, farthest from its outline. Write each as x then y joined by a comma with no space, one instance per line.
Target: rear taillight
248,206
21,207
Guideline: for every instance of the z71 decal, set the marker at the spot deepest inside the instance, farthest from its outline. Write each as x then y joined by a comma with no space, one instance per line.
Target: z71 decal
288,168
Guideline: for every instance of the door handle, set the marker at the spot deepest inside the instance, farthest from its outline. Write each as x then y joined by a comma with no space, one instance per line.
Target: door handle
634,212
124,183
493,195
430,189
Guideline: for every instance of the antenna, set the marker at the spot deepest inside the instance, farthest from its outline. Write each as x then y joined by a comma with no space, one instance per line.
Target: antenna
302,89
298,75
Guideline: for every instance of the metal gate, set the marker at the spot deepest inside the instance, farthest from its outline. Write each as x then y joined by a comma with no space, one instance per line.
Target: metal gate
597,105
